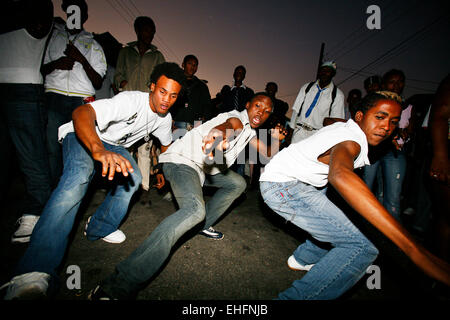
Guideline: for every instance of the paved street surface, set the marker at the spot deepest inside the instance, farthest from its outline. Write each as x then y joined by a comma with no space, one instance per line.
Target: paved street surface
248,264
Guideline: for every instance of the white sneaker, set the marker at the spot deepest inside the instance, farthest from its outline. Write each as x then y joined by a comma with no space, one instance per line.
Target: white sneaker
27,286
23,233
294,265
115,237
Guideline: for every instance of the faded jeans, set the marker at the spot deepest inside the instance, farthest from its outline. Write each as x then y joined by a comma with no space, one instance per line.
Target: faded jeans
148,258
393,167
50,236
334,271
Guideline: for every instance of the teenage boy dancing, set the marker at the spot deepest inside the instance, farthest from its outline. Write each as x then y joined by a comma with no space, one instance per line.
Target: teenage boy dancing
294,185
189,164
99,133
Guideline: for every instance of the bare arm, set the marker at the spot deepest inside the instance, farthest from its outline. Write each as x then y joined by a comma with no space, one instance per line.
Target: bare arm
84,123
277,135
359,196
440,113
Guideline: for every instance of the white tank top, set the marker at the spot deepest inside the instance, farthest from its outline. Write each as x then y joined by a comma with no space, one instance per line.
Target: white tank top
20,57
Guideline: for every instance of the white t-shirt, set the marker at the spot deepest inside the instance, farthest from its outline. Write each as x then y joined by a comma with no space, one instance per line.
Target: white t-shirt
188,149
299,160
125,119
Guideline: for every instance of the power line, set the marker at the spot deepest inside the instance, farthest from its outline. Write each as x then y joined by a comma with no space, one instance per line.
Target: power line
137,10
125,9
118,11
157,36
360,29
373,33
394,48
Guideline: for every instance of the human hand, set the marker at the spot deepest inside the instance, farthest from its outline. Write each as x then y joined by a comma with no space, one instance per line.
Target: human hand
64,63
73,53
111,163
279,132
216,139
160,181
123,83
439,169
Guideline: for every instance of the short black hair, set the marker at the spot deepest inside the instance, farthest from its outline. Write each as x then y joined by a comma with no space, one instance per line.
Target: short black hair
262,93
143,21
190,57
392,72
241,67
169,69
273,84
371,99
355,91
372,79
80,3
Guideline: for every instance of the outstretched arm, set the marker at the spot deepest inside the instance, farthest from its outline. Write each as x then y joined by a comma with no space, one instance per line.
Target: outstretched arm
84,123
278,133
222,134
359,196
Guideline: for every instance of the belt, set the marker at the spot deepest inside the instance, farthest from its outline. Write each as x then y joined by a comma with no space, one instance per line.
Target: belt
306,127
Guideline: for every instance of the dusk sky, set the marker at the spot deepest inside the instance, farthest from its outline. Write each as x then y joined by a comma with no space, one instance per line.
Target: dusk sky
280,40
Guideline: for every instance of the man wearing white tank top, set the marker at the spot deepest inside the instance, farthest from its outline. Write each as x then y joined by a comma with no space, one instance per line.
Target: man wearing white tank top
23,113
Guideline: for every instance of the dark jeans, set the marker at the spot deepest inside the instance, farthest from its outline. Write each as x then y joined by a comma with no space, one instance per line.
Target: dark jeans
25,116
60,108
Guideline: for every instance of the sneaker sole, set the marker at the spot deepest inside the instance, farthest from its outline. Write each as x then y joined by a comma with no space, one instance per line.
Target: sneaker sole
113,241
32,293
303,268
21,239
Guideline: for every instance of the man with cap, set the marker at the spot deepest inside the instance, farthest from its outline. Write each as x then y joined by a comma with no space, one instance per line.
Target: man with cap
317,104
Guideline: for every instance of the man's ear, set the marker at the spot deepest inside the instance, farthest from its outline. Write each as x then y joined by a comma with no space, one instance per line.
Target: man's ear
358,116
152,87
247,105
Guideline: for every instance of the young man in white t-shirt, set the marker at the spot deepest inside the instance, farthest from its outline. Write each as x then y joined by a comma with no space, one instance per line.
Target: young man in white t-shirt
99,133
189,164
294,186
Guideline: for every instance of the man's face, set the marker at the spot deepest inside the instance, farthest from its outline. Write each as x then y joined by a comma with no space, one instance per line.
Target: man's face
239,75
163,94
145,34
373,87
395,83
380,121
190,68
258,110
325,75
271,90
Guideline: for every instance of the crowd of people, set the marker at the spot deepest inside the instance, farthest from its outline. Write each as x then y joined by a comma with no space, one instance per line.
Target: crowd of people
71,111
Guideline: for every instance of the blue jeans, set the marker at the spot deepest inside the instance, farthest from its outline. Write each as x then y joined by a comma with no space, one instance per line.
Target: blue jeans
60,108
25,116
334,271
50,236
393,168
147,259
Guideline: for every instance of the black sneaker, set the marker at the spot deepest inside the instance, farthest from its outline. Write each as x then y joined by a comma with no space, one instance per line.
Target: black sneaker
98,294
212,234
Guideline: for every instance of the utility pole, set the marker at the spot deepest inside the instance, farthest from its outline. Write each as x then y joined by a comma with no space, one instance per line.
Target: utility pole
320,59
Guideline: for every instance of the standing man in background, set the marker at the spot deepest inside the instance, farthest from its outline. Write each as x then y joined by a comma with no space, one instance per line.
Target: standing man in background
23,113
74,66
135,64
317,104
